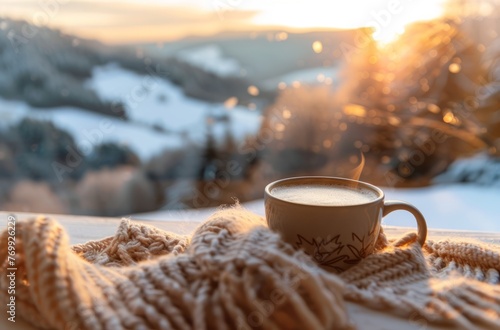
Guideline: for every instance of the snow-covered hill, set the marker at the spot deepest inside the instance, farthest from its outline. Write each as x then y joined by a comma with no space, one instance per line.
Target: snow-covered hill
150,103
156,101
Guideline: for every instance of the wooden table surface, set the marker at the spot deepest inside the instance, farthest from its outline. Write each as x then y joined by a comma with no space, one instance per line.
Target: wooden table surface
83,228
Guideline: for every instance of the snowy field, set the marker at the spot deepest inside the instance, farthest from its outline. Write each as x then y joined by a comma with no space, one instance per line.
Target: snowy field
459,207
90,129
177,112
149,101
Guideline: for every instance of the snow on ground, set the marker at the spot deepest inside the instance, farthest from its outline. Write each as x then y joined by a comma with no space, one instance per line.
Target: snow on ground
453,206
149,101
211,59
457,206
157,101
90,129
480,169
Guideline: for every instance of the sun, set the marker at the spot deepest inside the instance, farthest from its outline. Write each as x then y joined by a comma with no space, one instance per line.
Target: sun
388,18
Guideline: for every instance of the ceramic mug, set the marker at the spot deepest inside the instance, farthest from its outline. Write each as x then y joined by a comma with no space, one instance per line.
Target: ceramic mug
335,236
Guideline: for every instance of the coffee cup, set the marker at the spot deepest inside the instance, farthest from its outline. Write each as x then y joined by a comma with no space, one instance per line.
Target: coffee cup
336,221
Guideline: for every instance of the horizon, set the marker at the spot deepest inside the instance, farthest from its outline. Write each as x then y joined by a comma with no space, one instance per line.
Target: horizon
133,21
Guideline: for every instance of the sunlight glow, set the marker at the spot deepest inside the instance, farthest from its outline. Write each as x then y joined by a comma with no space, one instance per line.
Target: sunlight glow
119,21
388,18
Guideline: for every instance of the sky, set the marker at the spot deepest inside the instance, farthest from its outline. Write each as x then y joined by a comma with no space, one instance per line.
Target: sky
124,21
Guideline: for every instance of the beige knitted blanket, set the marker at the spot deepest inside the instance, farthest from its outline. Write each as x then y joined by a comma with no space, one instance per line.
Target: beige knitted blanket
233,273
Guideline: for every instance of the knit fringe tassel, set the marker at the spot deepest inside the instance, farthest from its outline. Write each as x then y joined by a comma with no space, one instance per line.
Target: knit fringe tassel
234,274
451,283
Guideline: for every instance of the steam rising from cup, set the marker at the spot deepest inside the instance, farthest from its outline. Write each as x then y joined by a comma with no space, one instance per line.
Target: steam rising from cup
355,173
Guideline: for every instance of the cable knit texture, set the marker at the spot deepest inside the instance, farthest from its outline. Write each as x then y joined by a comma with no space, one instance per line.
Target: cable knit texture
233,273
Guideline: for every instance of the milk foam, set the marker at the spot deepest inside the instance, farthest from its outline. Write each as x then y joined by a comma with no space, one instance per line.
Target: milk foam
322,194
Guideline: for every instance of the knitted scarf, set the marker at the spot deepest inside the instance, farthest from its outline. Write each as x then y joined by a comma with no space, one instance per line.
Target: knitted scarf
233,273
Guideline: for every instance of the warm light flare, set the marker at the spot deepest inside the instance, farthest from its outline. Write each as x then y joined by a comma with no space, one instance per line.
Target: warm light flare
388,18
147,20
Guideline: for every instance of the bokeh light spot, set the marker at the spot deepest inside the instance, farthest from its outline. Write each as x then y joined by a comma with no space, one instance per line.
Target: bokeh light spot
317,47
231,102
253,90
454,68
355,110
433,108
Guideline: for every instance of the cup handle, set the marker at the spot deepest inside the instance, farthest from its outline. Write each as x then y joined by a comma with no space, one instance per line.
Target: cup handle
390,206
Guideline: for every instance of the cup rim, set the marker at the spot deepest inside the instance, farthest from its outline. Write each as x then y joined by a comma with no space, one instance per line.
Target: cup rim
267,191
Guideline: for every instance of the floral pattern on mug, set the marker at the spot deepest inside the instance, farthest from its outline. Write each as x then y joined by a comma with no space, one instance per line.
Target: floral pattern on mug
326,252
360,251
